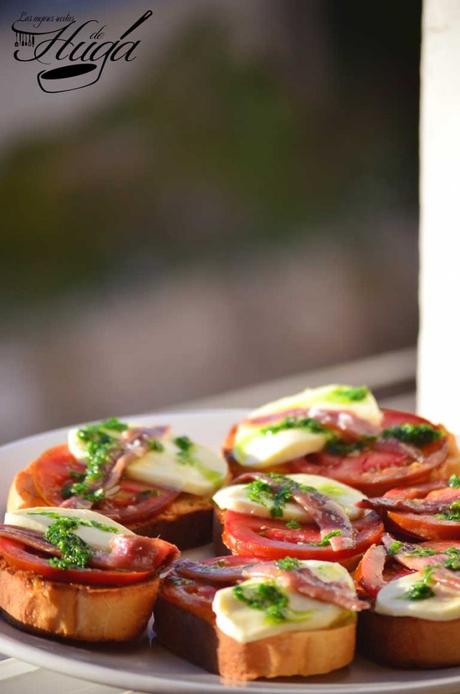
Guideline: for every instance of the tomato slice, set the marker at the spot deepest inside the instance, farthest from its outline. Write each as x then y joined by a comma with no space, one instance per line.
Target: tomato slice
425,526
52,471
134,502
20,557
271,539
196,594
376,470
190,594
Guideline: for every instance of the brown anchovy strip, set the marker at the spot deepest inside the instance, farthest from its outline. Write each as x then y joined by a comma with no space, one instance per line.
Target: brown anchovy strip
339,419
407,556
382,503
301,580
29,538
230,572
306,582
326,513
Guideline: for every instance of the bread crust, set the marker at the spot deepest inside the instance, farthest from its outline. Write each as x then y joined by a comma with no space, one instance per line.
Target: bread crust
76,611
408,642
303,653
186,522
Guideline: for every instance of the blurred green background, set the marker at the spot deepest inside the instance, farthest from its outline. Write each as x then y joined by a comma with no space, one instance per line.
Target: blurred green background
238,204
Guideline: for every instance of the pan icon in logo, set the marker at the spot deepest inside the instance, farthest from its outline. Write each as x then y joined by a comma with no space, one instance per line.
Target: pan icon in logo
65,78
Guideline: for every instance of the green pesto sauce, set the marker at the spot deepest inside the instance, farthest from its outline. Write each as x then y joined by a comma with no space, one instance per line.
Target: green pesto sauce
415,434
453,559
306,423
100,445
337,446
79,521
331,490
268,598
454,481
452,513
326,541
75,552
452,554
288,564
274,499
185,456
293,524
421,589
395,547
347,394
398,546
155,445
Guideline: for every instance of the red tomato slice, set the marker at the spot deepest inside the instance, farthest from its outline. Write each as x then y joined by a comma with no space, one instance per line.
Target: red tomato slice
133,502
20,557
129,505
418,492
271,539
52,470
447,495
376,470
190,594
425,526
193,594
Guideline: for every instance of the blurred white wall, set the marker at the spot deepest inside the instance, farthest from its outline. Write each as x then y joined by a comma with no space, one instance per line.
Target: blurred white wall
439,344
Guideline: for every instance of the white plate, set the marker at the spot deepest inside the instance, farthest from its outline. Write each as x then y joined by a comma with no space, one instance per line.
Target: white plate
148,667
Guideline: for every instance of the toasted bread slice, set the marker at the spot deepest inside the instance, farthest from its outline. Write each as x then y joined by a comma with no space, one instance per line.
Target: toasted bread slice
303,653
186,522
408,642
75,611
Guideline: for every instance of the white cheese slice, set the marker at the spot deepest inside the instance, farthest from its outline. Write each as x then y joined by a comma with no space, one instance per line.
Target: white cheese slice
205,471
235,498
245,624
392,600
41,517
200,473
256,449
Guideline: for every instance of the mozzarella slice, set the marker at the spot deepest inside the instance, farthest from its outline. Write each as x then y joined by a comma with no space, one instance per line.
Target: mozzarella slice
392,600
97,534
245,624
199,473
235,498
258,449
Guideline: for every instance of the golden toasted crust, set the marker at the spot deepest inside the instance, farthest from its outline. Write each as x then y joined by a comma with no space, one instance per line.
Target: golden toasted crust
451,465
186,522
75,611
300,653
408,641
